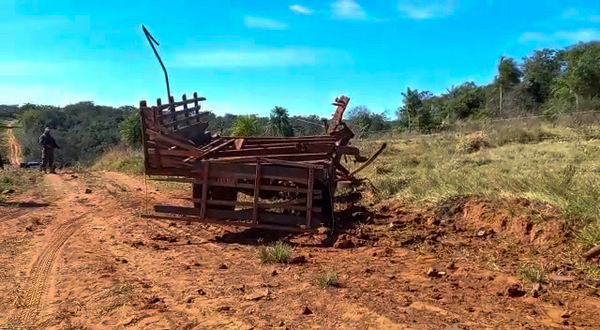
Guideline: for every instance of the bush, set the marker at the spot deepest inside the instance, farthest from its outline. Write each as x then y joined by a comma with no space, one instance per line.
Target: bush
473,142
277,252
530,273
589,236
120,159
328,278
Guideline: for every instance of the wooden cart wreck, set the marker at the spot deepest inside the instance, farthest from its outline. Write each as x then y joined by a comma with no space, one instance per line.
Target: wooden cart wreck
285,183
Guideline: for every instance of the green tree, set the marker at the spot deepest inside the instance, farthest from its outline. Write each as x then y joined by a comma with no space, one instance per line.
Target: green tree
412,109
508,76
540,71
280,122
131,129
247,125
581,78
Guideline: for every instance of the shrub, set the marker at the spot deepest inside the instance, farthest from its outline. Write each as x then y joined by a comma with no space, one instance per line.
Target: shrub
530,273
589,236
328,278
473,142
277,252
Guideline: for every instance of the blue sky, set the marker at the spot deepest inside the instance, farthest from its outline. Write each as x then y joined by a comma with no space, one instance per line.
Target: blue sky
248,56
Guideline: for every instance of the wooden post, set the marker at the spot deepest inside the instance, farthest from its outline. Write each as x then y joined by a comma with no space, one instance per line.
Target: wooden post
204,190
172,110
256,192
143,106
197,107
309,197
158,115
185,107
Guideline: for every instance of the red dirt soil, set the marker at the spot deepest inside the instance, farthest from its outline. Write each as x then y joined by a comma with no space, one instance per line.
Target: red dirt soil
87,260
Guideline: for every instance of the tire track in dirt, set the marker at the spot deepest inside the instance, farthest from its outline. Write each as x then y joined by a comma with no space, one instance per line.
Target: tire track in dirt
40,271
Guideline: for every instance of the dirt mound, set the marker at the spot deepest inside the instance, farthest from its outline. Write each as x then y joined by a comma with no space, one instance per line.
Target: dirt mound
529,222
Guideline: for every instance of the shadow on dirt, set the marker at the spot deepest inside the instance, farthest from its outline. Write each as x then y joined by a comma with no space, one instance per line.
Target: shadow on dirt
24,204
345,224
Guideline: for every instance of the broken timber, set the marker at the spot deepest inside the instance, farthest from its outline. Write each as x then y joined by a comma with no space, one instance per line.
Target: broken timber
289,181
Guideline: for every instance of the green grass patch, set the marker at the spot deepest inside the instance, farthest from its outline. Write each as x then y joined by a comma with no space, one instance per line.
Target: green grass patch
328,278
278,252
530,273
121,159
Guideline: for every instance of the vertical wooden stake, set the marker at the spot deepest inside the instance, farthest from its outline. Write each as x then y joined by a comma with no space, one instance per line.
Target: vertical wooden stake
185,107
204,190
172,110
196,106
309,197
256,192
158,116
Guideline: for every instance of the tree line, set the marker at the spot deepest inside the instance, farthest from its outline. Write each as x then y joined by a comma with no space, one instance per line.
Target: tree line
548,81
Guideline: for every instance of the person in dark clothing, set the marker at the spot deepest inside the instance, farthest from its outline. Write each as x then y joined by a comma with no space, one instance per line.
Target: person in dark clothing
48,145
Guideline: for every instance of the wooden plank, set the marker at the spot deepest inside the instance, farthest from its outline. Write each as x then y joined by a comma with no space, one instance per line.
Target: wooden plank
173,152
179,103
239,143
282,205
175,142
309,197
185,120
294,164
291,157
214,149
236,184
196,107
227,222
205,184
256,192
143,113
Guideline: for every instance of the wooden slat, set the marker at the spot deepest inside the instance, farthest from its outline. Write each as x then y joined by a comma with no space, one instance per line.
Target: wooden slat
185,120
214,149
309,197
175,142
196,107
205,185
294,164
179,103
256,192
259,205
295,156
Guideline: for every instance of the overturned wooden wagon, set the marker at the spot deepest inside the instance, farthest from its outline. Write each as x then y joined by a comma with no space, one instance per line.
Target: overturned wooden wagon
270,182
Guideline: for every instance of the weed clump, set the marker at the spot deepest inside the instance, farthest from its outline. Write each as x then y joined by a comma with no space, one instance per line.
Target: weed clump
277,252
530,273
473,142
327,279
589,236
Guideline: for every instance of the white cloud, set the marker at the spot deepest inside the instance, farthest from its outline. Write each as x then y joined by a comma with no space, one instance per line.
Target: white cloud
259,58
298,9
254,22
417,9
561,36
348,9
576,15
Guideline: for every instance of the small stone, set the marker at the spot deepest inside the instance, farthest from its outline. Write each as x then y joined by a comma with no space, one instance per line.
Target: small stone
433,221
298,259
536,290
223,308
343,242
431,272
88,190
392,277
201,292
74,176
223,266
257,295
451,265
281,323
481,233
138,189
306,311
322,230
124,261
274,272
190,300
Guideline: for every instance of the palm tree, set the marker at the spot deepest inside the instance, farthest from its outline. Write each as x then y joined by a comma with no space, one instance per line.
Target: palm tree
508,76
245,126
280,121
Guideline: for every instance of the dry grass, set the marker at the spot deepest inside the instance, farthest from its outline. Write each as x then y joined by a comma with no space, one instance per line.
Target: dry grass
327,279
277,252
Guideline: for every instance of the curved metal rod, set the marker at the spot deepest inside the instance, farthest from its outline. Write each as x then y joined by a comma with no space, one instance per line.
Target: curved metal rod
368,162
153,41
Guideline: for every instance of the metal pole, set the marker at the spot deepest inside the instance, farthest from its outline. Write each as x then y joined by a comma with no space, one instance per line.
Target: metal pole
153,41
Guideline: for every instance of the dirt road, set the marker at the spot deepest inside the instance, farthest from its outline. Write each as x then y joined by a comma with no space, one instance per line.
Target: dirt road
14,146
87,260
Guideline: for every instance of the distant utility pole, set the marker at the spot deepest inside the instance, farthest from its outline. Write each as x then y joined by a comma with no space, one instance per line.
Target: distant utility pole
153,41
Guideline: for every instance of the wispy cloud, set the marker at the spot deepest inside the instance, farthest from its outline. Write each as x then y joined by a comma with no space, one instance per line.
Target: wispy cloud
574,14
298,9
561,36
348,9
254,22
419,10
259,58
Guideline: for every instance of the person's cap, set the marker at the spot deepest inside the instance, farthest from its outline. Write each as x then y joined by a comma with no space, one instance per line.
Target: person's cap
47,129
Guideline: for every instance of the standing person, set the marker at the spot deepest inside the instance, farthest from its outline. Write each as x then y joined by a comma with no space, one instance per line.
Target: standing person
48,145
